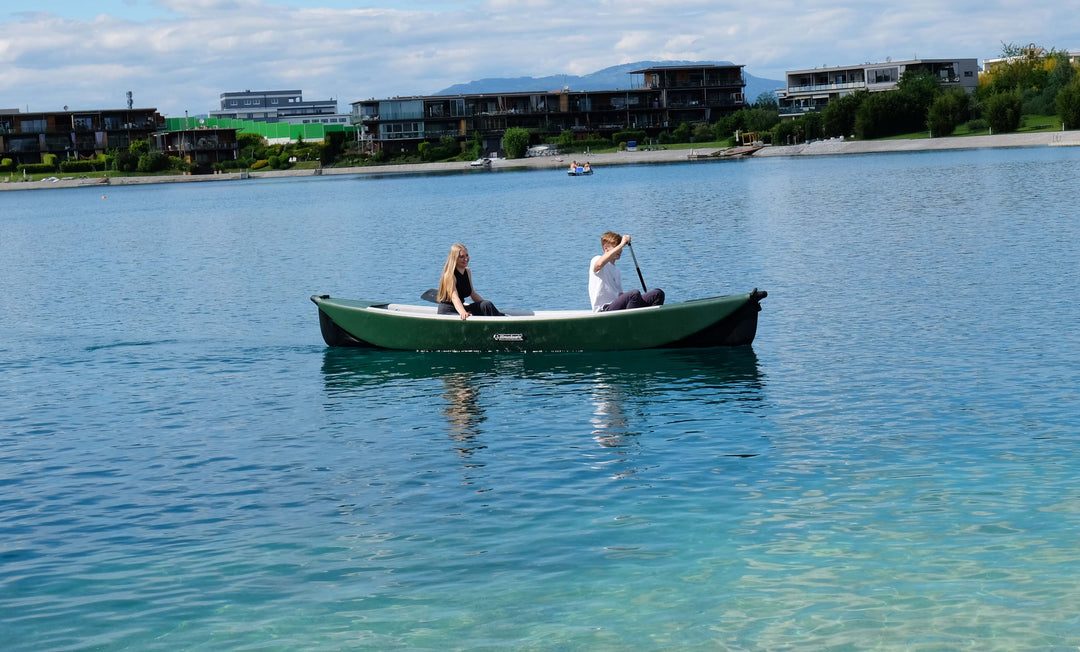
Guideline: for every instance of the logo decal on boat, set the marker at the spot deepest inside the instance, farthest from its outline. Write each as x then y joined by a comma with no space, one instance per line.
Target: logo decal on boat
509,337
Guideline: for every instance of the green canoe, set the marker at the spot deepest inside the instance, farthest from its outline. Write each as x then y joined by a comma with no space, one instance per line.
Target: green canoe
719,321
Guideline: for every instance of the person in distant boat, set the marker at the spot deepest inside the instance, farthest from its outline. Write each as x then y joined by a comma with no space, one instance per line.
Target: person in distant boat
605,280
573,166
586,168
456,285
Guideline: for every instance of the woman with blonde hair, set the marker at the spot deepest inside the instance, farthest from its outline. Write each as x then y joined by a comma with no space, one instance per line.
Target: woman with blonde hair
456,284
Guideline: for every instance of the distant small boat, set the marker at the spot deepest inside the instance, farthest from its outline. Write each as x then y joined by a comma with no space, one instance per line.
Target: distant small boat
481,163
579,171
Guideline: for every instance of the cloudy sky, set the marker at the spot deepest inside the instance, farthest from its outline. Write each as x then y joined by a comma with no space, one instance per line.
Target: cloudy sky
180,55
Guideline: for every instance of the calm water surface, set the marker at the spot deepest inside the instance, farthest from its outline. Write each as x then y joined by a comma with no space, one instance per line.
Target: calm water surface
185,465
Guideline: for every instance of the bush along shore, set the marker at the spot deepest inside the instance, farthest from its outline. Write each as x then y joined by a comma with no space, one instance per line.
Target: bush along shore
834,146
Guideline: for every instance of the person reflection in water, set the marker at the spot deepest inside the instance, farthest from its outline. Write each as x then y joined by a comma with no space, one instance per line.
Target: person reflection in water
463,411
609,420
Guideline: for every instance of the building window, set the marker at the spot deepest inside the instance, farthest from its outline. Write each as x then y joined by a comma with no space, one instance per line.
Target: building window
884,75
32,126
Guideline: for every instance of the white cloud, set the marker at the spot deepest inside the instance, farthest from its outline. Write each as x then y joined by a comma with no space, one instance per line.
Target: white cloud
190,51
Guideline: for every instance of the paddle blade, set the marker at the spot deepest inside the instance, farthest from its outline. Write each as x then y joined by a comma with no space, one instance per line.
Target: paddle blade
431,295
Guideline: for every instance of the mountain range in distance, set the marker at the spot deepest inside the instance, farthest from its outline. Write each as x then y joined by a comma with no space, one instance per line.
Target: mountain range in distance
608,79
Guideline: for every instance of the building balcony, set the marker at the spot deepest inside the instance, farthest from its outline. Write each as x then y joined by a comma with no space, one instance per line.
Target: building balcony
825,88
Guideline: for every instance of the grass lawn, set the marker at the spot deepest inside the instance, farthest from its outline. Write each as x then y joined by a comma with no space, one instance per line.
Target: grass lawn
1028,124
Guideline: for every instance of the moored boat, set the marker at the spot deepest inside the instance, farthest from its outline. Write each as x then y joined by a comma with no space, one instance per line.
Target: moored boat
717,321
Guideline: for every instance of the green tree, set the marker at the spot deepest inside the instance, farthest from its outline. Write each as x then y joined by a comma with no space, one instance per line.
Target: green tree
515,142
787,132
812,125
702,134
125,161
333,145
152,162
249,143
839,115
681,133
472,150
1002,111
949,111
902,111
565,141
1024,67
766,100
919,89
1068,104
139,147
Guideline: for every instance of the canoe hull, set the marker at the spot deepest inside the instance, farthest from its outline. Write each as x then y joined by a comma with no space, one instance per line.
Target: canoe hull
718,321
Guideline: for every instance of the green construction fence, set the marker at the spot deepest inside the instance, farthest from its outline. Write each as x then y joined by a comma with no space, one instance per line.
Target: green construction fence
268,130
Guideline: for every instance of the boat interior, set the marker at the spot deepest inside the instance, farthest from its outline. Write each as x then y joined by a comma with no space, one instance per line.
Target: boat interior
432,311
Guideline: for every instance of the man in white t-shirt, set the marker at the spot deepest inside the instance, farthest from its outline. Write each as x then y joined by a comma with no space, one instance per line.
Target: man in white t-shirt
605,281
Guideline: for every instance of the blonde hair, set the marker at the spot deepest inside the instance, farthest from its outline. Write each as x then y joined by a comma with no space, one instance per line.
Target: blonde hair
610,238
446,282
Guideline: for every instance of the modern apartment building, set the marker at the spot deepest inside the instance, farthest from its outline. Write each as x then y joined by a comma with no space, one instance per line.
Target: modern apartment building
279,106
812,90
27,137
201,147
660,98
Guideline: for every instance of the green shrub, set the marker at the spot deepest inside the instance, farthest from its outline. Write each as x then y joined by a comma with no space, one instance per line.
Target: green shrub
1068,104
49,159
180,165
152,162
7,165
126,161
1003,111
703,134
681,133
36,168
515,142
839,115
257,165
627,135
82,166
948,111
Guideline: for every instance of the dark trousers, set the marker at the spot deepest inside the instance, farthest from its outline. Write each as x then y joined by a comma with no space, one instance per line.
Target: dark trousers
635,299
483,308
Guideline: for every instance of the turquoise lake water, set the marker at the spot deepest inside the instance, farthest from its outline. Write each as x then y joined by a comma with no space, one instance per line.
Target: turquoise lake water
184,465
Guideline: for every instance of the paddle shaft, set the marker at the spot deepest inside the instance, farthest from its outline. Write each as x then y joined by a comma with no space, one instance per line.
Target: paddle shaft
640,277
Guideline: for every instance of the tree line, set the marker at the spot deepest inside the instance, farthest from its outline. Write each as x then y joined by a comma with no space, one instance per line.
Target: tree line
1029,81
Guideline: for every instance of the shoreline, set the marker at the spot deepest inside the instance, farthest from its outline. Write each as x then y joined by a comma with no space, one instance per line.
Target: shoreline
834,146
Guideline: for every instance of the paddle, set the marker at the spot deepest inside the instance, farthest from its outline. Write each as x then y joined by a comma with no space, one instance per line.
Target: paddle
640,277
431,295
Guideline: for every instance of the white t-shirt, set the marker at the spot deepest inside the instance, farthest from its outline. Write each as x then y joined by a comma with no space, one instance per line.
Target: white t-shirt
605,285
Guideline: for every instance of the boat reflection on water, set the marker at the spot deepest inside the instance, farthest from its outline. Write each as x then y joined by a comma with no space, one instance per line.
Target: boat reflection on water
622,386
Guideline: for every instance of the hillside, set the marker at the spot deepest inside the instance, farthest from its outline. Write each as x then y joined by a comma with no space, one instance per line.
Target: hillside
613,78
